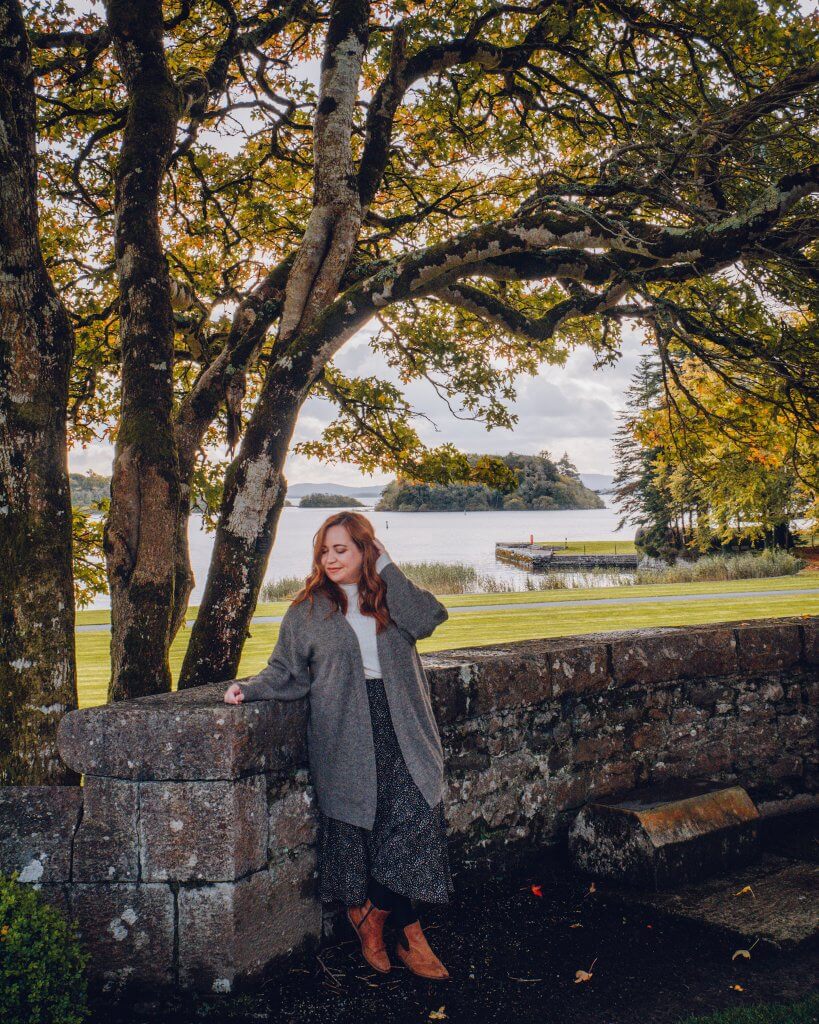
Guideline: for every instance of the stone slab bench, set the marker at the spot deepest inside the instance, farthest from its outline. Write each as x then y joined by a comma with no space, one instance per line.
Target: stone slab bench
666,836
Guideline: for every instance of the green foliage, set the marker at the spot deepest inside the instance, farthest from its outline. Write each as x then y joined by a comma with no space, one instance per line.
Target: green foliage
462,578
641,499
538,485
803,1011
746,566
90,577
88,488
320,500
608,110
42,967
705,465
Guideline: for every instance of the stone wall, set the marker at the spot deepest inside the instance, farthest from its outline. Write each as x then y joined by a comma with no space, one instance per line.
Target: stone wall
187,857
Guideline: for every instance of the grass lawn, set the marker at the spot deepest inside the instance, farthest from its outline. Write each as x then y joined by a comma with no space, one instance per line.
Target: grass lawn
589,547
801,581
482,628
805,1011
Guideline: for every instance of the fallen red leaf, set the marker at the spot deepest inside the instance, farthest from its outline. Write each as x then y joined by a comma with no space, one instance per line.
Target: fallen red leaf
537,890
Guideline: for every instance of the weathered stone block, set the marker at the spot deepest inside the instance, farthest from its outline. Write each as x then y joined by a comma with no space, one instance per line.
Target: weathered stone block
596,748
710,759
767,647
609,716
501,807
128,929
651,736
213,831
687,720
710,692
293,818
579,669
614,777
786,767
105,847
508,680
569,790
560,755
661,836
810,639
258,918
506,733
676,653
467,761
37,825
450,684
797,731
187,734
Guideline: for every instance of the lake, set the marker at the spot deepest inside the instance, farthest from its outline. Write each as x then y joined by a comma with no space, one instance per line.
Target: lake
468,537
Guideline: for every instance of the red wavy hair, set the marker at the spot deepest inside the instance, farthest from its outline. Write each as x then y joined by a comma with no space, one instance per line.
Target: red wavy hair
371,587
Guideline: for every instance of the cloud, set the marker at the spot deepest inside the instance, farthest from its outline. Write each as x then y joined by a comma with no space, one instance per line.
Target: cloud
564,408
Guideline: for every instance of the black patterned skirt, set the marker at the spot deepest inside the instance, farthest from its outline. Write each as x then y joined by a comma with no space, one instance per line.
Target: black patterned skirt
406,849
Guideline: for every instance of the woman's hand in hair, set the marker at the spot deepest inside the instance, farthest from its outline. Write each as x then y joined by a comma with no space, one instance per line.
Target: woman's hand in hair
379,546
234,695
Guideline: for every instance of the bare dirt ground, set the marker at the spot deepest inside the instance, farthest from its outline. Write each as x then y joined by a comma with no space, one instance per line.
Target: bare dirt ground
514,952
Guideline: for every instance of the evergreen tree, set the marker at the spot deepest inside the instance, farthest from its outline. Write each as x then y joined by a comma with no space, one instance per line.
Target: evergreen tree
567,468
642,500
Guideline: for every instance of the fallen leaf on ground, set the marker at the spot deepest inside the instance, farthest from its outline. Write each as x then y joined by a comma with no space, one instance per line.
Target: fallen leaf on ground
745,952
744,889
584,975
575,925
738,988
437,1014
537,890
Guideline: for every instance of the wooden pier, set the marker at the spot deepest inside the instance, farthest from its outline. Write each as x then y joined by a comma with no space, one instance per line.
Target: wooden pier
534,558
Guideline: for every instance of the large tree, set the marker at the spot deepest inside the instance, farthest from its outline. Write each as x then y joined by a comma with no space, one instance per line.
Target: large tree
37,668
494,183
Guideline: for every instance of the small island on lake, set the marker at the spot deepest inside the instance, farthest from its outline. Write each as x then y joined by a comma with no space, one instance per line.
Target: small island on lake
319,500
543,485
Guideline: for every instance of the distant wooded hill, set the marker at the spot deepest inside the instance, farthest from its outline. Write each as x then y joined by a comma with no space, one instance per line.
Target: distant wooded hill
88,487
543,485
321,500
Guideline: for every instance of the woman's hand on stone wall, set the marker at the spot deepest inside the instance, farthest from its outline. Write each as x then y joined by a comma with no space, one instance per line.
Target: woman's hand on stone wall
234,695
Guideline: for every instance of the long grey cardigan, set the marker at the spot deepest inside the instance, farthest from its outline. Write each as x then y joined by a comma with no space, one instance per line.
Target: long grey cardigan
318,654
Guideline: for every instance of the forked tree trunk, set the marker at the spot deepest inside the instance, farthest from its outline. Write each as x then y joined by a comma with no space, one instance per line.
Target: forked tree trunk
254,494
141,530
37,668
255,486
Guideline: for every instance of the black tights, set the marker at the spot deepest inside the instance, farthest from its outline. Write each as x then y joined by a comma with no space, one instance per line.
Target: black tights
403,912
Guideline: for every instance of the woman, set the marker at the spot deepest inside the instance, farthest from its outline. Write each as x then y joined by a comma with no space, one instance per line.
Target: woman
348,639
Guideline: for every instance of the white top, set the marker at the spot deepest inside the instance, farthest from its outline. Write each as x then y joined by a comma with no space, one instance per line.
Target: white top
364,625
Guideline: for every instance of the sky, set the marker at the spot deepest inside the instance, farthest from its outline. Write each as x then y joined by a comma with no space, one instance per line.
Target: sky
570,408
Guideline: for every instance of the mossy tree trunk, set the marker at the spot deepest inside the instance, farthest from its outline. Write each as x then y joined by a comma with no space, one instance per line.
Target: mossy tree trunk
37,666
141,530
254,494
255,486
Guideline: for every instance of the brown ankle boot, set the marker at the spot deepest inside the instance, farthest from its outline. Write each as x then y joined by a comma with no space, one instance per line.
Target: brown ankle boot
368,923
414,951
